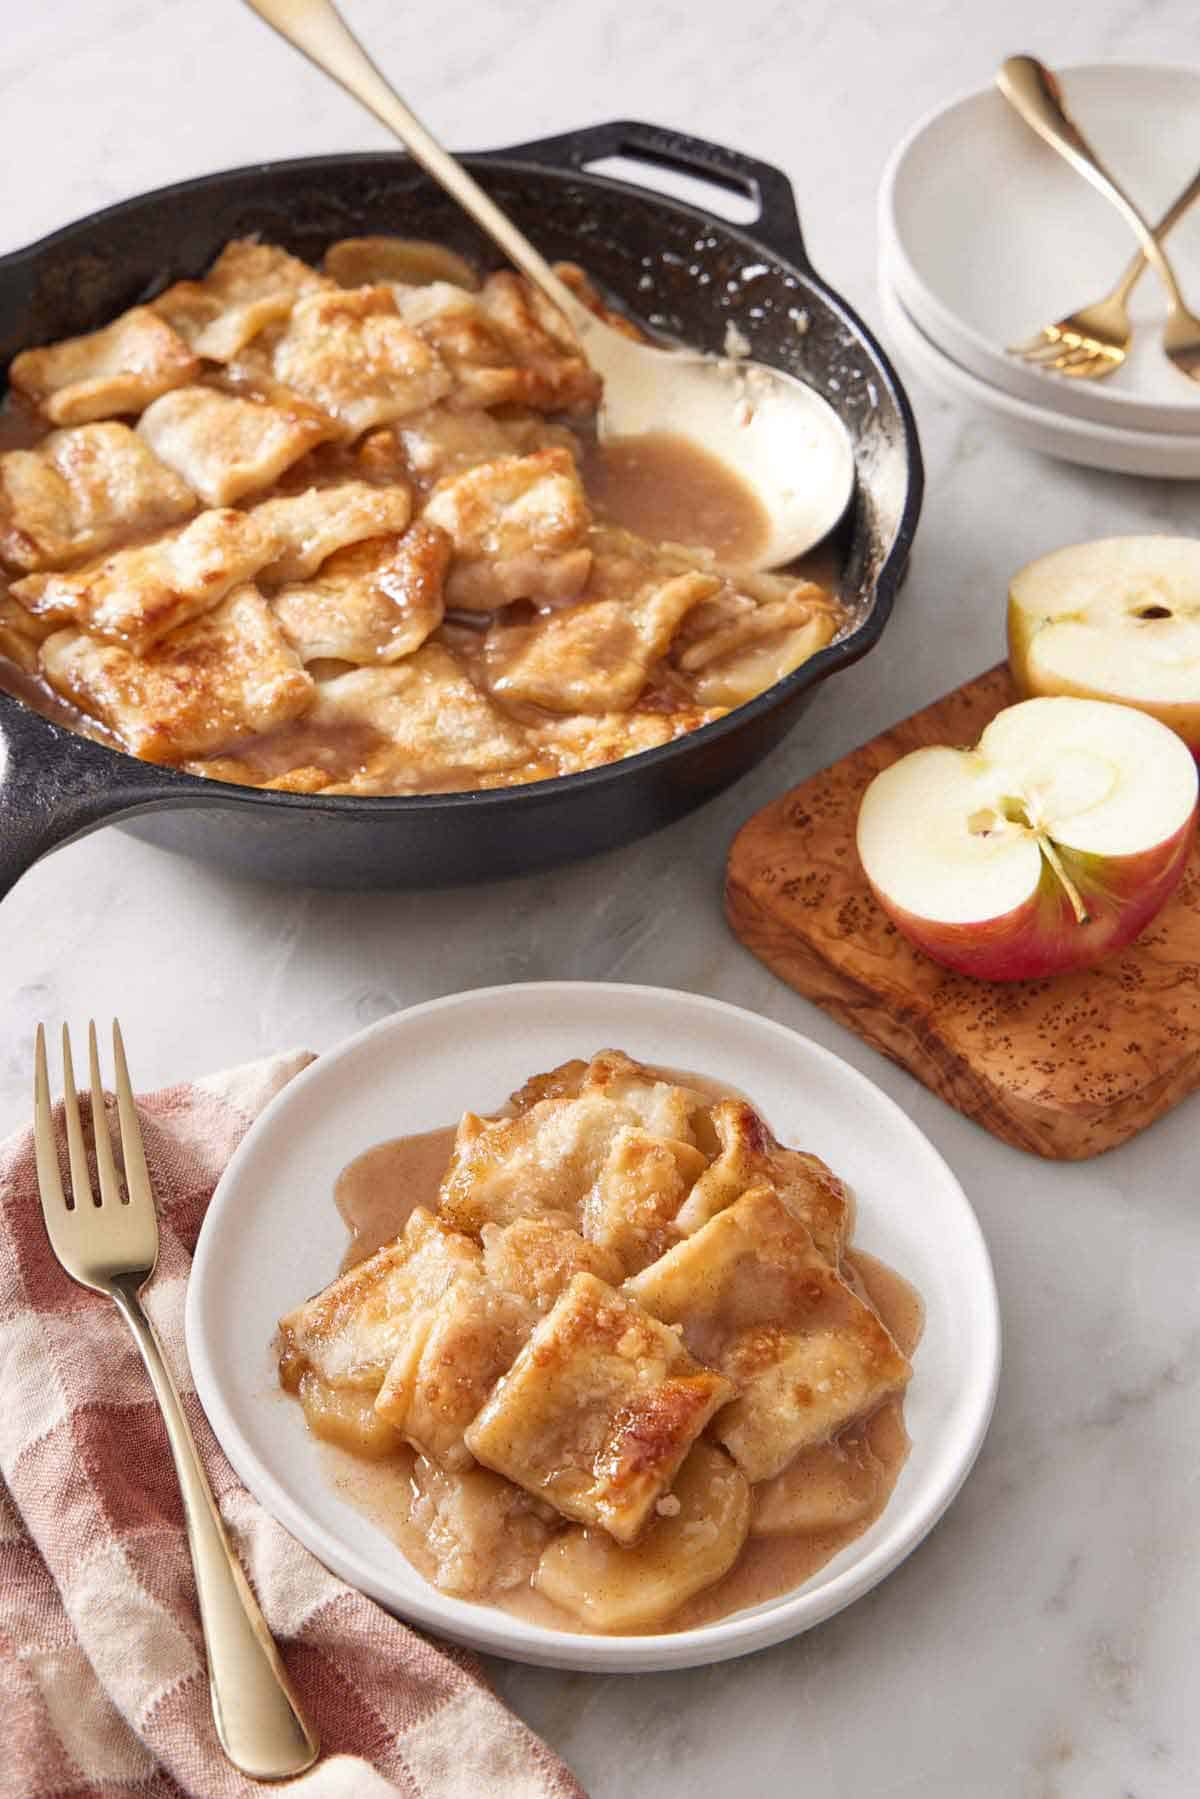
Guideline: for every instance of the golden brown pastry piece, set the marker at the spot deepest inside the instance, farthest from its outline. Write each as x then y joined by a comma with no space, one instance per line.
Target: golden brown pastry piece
598,1411
82,491
313,524
118,369
372,602
519,527
135,596
755,1298
585,1162
226,675
350,353
229,445
249,287
595,657
750,1157
431,720
350,1331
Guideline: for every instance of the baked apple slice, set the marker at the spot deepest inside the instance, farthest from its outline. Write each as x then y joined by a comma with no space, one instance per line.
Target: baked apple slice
695,1539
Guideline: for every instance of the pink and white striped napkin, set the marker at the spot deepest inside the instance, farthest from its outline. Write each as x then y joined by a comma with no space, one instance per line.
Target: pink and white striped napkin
103,1690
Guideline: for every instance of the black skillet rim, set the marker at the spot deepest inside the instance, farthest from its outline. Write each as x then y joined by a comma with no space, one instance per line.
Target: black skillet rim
536,157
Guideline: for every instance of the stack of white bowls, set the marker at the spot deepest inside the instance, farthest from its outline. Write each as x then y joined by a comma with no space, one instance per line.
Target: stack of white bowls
986,235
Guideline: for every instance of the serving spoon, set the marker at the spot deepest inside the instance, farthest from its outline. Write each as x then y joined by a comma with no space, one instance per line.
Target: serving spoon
784,441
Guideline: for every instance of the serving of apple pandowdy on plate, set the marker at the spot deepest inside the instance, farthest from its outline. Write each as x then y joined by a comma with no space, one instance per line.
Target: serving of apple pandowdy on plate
607,1359
349,531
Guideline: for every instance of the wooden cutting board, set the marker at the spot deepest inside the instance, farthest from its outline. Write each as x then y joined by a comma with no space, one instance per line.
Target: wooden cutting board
1066,1067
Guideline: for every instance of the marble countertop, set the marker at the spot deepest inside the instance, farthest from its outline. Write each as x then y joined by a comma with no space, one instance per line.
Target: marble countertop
1043,1642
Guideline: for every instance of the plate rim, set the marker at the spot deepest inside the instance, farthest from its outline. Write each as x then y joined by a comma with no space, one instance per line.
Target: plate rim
1162,456
945,320
717,1641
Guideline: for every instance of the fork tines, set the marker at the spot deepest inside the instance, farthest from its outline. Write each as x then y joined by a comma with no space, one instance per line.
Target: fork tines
1069,352
112,1192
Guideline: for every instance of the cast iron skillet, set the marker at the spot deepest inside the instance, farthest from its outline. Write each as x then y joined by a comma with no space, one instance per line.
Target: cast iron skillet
670,264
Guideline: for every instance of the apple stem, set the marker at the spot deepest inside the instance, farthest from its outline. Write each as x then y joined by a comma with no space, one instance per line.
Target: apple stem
1082,915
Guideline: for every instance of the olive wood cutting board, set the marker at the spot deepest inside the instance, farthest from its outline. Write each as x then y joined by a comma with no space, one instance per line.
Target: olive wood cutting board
1065,1067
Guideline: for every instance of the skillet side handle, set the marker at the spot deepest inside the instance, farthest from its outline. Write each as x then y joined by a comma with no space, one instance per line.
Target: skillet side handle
56,786
777,224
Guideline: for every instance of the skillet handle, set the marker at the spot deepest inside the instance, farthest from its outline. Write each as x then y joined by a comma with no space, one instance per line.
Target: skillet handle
777,223
56,786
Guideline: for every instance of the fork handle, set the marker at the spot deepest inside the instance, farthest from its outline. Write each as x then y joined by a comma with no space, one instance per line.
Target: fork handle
1032,91
1138,264
258,1716
318,31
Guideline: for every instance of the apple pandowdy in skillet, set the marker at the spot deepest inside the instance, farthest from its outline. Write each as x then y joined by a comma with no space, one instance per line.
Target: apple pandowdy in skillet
607,1358
350,531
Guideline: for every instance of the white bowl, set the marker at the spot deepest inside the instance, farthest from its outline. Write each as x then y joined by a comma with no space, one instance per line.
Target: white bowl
272,1236
1166,455
988,235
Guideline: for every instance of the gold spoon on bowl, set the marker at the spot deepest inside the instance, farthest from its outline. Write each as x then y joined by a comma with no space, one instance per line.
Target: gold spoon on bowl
784,441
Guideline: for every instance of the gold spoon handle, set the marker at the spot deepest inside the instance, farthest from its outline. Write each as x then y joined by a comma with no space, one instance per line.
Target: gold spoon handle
1139,262
1032,91
316,28
259,1720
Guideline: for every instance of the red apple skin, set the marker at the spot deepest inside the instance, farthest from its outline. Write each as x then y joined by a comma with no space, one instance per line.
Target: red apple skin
1042,937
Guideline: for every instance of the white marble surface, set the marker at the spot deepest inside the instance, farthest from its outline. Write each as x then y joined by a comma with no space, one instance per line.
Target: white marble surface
1043,1643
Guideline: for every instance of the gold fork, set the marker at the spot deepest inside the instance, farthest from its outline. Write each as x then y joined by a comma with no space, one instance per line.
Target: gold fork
110,1244
1092,343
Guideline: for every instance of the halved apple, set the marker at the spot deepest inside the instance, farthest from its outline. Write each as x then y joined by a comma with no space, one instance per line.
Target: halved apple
1118,619
1050,844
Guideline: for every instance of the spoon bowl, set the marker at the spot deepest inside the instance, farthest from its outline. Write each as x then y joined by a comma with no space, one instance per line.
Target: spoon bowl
783,440
779,437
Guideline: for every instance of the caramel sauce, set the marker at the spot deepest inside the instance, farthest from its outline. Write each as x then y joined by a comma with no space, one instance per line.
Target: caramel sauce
20,426
374,1195
376,1192
335,749
668,489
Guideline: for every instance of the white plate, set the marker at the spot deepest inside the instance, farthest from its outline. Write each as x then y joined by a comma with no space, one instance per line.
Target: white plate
989,235
272,1236
1162,454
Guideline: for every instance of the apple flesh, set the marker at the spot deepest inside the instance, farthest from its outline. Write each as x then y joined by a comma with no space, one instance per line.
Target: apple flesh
1049,845
1114,620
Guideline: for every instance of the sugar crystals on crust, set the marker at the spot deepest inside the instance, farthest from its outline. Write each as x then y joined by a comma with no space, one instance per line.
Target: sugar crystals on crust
135,596
755,1298
350,353
228,674
598,1411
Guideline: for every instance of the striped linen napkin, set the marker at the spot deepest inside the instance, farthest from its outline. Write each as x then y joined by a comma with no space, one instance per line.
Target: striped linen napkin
103,1689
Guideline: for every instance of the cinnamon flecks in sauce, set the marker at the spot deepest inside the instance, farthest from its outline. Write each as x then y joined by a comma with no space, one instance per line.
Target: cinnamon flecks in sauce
668,489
